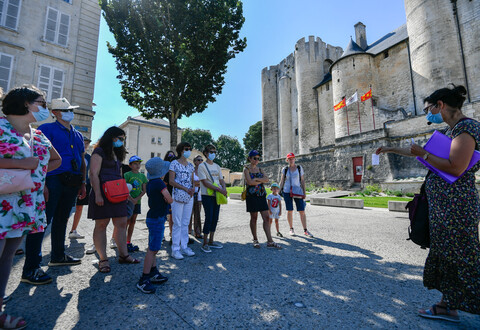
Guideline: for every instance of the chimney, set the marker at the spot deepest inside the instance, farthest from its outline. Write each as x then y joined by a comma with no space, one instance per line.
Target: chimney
361,35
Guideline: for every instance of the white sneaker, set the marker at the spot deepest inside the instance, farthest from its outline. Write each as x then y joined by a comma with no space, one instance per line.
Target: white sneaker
113,245
188,252
307,233
177,255
292,232
91,249
74,234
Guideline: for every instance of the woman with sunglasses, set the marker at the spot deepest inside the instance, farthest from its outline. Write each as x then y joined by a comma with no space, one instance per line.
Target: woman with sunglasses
181,179
105,165
453,264
257,199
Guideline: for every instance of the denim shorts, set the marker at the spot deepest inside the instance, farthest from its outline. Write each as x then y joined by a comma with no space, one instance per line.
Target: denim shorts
156,229
299,203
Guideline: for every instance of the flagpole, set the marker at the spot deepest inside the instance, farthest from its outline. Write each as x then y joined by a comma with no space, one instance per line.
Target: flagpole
359,122
346,111
373,114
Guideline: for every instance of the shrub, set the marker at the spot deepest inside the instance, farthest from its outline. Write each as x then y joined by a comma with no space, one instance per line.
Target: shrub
374,188
310,186
398,193
410,194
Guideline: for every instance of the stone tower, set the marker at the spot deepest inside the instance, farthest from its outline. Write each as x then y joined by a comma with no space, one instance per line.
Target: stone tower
286,78
270,113
437,44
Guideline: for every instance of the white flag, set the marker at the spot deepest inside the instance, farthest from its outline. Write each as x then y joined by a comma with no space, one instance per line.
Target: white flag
352,99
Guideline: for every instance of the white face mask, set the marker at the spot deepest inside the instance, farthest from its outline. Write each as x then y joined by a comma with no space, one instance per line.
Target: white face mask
41,114
67,116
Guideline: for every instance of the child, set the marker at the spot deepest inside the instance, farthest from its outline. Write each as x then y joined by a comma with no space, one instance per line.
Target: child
275,206
158,201
139,184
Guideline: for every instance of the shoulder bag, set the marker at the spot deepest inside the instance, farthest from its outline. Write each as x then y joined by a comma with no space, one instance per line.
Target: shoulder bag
419,229
244,192
116,191
16,180
221,198
294,194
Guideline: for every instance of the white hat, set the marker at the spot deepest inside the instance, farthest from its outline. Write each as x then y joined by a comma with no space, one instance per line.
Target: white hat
62,104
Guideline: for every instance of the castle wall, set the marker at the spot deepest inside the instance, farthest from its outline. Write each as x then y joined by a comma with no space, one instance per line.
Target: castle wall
325,111
285,82
270,113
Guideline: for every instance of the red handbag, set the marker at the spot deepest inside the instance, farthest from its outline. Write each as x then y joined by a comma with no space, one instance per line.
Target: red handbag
116,191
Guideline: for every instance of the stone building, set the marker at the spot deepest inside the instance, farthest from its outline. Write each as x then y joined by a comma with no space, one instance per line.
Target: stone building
52,44
437,45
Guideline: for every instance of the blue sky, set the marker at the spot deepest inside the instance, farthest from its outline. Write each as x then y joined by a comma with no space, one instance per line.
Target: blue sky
272,27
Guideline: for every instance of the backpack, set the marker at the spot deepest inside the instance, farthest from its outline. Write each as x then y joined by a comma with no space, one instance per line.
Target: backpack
419,229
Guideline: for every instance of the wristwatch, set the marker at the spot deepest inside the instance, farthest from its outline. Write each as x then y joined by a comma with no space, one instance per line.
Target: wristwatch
426,155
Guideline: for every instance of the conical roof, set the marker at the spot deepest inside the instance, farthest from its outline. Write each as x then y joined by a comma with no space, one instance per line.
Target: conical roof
352,48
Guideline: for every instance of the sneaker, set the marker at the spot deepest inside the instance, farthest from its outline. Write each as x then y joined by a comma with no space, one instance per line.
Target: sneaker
279,234
156,277
215,245
307,233
177,255
206,249
6,298
91,249
113,245
66,261
145,286
37,277
292,232
132,248
188,252
73,234
190,241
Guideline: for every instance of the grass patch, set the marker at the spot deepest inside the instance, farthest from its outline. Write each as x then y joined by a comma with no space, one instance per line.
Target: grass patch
378,201
238,190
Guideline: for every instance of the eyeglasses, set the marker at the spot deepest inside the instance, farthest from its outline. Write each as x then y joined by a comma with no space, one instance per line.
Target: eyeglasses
121,138
429,108
65,110
42,102
212,151
187,149
256,158
199,160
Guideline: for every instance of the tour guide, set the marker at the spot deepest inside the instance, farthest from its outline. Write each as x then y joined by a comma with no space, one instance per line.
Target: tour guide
63,185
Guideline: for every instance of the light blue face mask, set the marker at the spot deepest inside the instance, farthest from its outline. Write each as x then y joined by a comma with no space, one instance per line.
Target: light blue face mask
434,118
211,156
118,143
42,114
68,116
187,153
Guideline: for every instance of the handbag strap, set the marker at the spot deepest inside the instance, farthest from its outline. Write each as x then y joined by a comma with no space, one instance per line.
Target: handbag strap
213,181
31,141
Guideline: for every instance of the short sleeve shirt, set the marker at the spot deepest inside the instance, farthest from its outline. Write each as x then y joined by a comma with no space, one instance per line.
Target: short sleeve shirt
137,180
183,174
158,207
275,201
203,174
292,179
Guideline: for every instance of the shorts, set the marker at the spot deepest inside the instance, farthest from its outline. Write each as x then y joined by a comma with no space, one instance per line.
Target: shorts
156,229
299,203
137,209
130,209
275,214
84,201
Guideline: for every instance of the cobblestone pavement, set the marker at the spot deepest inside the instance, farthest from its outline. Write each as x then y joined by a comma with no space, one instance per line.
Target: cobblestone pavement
358,272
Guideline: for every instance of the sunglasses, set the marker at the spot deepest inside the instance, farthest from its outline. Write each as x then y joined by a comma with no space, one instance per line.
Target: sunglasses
429,108
187,149
121,138
199,160
256,158
43,103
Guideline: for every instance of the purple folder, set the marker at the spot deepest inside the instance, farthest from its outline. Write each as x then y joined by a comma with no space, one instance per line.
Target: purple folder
439,145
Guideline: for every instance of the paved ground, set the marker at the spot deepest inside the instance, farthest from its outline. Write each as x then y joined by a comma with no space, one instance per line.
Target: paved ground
358,272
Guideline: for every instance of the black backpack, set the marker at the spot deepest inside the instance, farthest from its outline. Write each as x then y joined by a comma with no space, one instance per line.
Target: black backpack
419,229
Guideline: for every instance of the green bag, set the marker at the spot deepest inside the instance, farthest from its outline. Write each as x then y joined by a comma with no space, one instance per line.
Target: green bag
221,198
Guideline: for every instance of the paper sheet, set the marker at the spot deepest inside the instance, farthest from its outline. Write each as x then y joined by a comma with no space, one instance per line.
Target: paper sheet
375,159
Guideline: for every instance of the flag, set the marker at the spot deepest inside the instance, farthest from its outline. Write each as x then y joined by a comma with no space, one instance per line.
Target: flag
352,99
339,105
366,96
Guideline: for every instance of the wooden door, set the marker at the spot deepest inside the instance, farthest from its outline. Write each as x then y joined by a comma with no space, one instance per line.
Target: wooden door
357,169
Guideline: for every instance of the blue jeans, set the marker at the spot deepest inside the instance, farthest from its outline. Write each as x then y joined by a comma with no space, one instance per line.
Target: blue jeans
60,202
156,229
299,203
212,209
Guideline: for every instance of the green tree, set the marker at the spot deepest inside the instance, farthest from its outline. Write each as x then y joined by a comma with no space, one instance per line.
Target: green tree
172,54
253,138
230,153
198,138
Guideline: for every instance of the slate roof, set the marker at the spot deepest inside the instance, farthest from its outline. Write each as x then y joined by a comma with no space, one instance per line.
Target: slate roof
326,78
388,40
352,48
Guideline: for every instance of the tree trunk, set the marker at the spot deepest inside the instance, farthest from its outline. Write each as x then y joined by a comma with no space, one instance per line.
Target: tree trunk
173,132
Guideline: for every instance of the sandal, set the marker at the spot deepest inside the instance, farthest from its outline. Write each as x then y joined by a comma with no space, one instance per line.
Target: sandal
434,314
10,322
256,245
273,245
104,268
125,260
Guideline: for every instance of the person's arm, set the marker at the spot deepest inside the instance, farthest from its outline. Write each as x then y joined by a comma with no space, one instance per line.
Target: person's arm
28,163
144,191
394,150
82,192
280,207
95,166
248,180
166,195
173,183
302,181
269,203
55,160
265,178
282,179
461,152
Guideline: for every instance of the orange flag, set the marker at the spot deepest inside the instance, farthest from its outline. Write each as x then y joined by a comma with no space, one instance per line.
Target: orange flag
366,96
339,105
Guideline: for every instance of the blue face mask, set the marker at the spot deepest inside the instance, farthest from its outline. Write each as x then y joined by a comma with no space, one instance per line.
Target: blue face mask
42,114
118,143
211,156
436,119
187,153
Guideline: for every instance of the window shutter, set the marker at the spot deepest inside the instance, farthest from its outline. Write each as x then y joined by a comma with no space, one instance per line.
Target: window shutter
11,17
51,25
2,3
50,80
63,30
6,62
57,84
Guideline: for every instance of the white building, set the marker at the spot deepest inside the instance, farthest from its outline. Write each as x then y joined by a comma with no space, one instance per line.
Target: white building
147,138
52,44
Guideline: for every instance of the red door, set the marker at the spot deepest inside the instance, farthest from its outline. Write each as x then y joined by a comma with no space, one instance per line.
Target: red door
357,169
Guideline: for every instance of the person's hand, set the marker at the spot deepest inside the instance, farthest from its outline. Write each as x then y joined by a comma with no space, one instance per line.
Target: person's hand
131,199
269,212
29,163
416,150
280,214
99,200
45,193
82,192
382,150
223,192
191,191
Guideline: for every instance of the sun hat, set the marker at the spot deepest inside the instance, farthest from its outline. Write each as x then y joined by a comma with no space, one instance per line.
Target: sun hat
156,168
62,104
291,155
274,185
134,159
253,153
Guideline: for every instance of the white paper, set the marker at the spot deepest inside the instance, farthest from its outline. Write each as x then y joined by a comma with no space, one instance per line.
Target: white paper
375,159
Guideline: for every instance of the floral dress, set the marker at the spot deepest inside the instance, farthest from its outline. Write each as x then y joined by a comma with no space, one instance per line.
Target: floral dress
23,212
453,263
